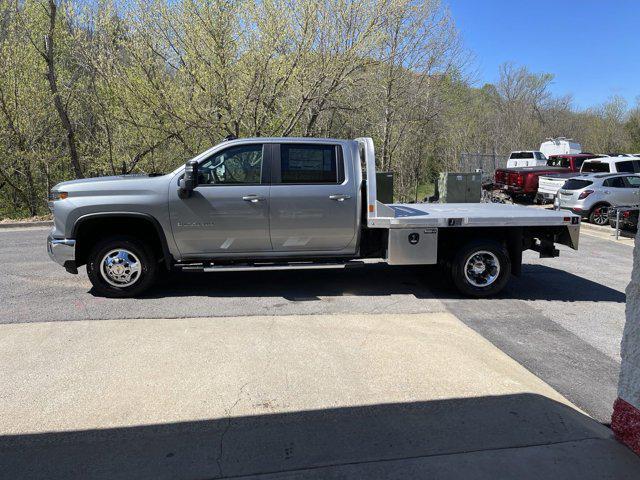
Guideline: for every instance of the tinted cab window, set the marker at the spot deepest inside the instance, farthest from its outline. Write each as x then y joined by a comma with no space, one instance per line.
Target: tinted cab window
521,155
234,166
595,167
628,166
300,163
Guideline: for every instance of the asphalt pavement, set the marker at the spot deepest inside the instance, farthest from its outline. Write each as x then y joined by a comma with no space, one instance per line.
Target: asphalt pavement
562,319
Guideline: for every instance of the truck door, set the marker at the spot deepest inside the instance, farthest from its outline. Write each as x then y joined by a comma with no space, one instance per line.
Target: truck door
228,212
314,204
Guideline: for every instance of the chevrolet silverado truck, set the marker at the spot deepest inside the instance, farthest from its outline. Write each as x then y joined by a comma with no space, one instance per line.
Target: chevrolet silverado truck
284,203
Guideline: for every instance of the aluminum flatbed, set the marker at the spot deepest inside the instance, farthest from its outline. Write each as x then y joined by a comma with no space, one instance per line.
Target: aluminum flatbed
467,215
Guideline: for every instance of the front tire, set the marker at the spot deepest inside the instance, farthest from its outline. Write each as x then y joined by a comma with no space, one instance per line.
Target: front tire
121,267
599,215
481,268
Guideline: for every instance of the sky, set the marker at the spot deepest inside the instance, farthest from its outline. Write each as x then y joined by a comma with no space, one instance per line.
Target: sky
591,47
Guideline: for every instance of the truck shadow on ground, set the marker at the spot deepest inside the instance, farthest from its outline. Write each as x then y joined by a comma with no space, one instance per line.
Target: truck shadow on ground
538,282
512,436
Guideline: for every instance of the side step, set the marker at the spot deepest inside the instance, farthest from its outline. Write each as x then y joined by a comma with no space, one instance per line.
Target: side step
253,266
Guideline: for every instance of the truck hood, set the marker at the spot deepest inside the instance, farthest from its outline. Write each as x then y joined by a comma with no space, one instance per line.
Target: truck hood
116,182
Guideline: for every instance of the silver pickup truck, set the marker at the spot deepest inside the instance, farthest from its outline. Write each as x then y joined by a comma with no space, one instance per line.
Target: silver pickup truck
284,203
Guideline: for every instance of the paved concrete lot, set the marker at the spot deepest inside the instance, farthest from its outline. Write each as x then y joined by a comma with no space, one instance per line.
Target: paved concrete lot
312,396
562,319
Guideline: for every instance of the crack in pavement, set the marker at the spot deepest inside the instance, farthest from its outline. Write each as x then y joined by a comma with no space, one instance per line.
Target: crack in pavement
226,429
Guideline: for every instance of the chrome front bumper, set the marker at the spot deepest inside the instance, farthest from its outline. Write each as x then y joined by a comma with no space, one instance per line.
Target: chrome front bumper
62,251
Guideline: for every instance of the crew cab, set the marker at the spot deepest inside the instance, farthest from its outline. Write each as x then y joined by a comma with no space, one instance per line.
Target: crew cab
522,183
285,203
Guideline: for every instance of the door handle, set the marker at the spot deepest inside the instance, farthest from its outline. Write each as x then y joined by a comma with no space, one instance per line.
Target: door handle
252,198
339,198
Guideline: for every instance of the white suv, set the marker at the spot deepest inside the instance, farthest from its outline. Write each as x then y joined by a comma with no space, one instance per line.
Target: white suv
618,164
591,195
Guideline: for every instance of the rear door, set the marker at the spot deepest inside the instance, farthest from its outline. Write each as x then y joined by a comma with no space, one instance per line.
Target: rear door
633,184
313,202
618,192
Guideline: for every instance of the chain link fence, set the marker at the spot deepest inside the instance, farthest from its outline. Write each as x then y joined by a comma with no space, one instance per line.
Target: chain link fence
487,163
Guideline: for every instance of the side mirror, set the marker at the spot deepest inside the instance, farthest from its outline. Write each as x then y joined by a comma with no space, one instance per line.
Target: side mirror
190,179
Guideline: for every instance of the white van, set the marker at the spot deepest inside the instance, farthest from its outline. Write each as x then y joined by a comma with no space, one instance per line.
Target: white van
526,158
622,163
560,146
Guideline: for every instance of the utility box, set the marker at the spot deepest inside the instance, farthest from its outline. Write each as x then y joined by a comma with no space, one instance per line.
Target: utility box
384,187
460,187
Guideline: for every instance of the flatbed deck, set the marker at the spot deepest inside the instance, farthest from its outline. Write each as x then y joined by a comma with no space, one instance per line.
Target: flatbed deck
413,215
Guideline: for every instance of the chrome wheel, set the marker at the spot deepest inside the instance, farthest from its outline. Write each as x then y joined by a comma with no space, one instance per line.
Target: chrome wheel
120,268
482,268
601,216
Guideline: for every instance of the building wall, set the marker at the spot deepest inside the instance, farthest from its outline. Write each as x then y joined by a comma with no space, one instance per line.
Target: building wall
626,415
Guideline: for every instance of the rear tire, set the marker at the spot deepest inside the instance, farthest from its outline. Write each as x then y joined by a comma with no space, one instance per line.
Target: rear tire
481,268
121,267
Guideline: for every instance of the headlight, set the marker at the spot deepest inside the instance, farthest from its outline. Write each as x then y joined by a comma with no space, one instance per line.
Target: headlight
57,196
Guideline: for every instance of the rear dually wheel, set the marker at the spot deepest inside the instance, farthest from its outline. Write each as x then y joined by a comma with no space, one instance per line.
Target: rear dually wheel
481,268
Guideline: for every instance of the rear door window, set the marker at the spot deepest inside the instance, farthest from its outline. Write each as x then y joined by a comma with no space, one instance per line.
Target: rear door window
309,163
633,182
598,167
626,166
576,184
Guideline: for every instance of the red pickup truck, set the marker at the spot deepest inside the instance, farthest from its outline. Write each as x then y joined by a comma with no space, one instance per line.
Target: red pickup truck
522,182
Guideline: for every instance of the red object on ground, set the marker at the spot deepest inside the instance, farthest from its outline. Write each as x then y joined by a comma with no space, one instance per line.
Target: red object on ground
625,423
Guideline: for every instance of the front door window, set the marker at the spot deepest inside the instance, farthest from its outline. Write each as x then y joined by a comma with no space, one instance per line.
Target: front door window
241,165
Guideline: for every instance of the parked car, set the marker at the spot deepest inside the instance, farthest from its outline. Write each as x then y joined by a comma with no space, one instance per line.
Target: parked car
548,185
591,195
526,158
612,164
522,183
628,218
